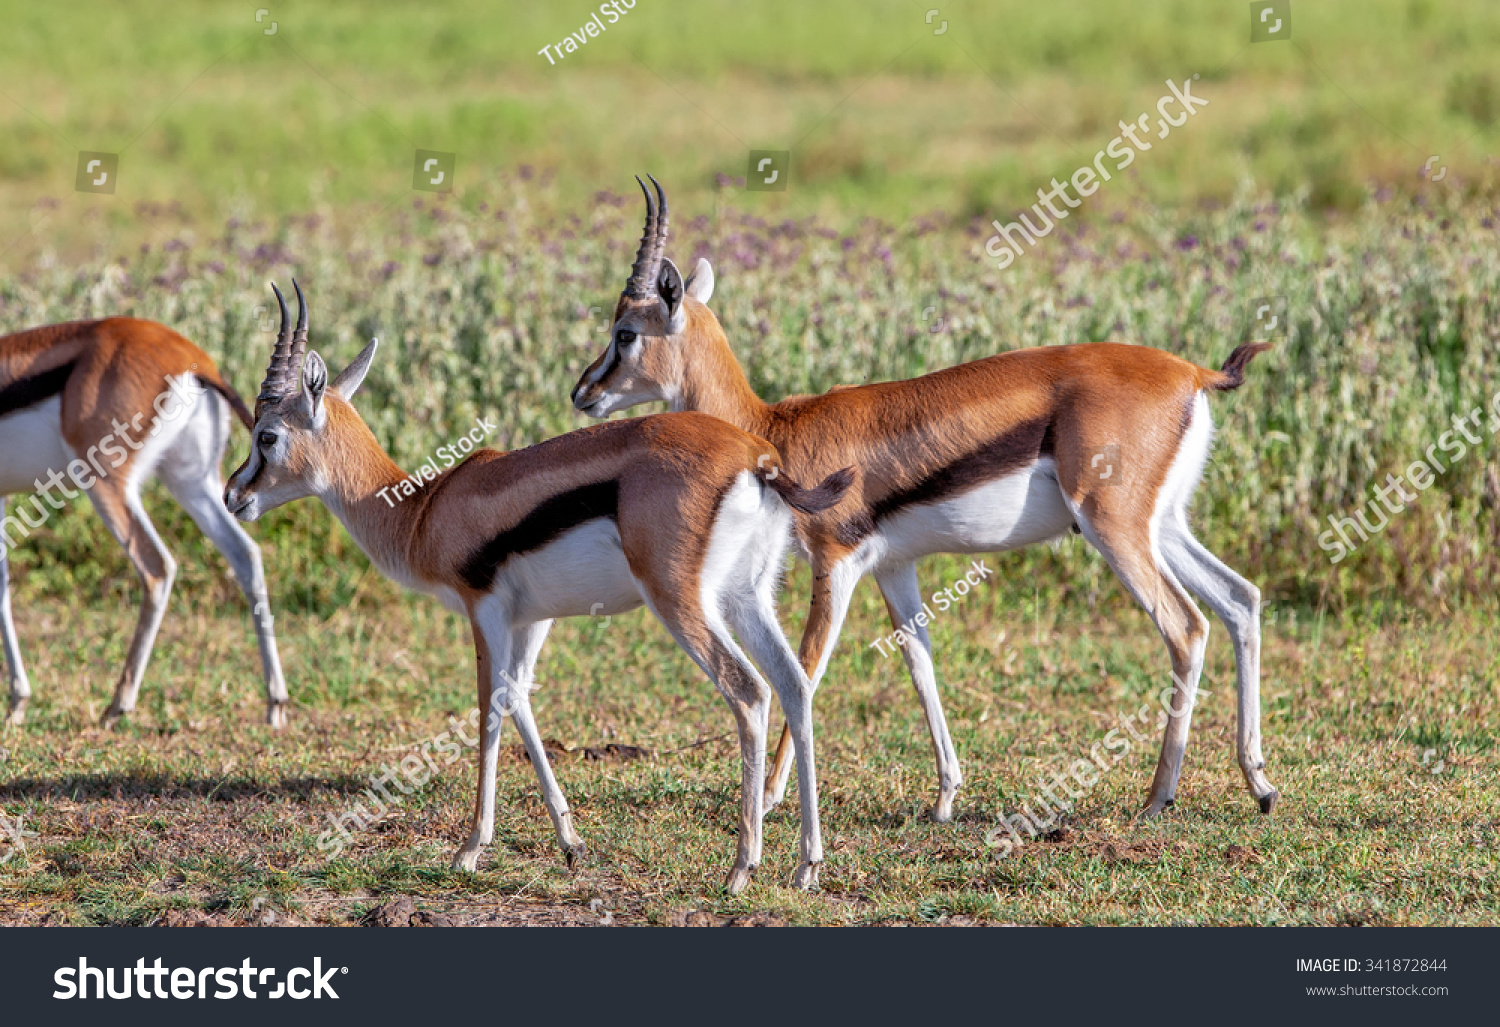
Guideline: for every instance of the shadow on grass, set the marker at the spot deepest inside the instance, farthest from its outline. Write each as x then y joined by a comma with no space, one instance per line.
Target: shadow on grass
165,786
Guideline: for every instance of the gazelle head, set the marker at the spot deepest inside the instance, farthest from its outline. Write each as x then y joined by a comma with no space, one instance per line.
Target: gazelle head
293,446
644,360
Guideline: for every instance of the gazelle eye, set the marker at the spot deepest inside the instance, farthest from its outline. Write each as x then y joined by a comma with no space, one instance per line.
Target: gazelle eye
625,336
267,439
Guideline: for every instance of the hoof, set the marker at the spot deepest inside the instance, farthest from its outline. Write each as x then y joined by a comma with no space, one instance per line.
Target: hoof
17,714
739,880
467,859
1155,807
112,718
769,802
1268,802
942,813
575,852
276,716
806,877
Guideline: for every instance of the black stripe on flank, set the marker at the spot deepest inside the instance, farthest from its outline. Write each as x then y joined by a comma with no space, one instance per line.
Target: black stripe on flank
1020,447
28,392
545,523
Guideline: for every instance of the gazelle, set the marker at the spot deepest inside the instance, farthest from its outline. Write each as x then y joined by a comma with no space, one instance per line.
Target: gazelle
986,456
107,404
681,512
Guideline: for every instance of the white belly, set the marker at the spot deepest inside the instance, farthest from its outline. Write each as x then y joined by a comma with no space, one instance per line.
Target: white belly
31,446
1008,513
581,573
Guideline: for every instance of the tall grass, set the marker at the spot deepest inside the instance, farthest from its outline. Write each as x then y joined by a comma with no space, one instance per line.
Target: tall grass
1389,328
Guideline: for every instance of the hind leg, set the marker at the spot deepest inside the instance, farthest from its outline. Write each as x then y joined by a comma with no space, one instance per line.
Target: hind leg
833,588
1237,603
120,507
1183,627
200,497
755,623
20,686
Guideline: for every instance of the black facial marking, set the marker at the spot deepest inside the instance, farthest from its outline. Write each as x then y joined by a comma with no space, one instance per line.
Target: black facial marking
545,523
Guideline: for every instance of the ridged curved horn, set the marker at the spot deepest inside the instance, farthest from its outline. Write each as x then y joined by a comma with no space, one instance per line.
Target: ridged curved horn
274,387
642,281
299,343
660,246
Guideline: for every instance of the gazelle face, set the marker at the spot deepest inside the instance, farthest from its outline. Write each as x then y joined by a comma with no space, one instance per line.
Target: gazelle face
285,461
645,358
642,362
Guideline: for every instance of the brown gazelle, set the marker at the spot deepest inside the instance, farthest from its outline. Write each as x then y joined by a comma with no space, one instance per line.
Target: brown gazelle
681,512
107,405
1102,438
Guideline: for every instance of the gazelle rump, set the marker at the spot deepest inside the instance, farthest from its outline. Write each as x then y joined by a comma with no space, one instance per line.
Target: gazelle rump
681,512
100,407
987,456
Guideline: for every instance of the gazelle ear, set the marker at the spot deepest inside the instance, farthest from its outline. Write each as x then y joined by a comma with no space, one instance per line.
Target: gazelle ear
314,382
669,288
349,379
700,284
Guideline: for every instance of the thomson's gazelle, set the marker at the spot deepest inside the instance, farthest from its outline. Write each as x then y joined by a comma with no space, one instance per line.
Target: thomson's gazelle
100,407
999,453
681,512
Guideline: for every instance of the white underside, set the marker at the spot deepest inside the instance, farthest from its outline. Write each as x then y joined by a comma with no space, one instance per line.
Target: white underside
1014,511
33,446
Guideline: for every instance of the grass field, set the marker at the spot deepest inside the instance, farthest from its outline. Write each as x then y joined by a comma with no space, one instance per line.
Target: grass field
213,119
247,157
1379,735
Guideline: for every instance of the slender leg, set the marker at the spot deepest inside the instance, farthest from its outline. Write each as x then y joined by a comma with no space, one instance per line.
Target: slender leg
120,507
757,627
20,687
1182,626
200,497
903,599
1237,603
490,722
833,588
516,684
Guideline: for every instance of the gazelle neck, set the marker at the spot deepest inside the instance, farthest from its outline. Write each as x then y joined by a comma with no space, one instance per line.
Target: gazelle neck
713,382
358,471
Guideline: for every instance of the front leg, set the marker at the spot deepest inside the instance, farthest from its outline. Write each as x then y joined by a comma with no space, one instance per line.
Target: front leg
833,588
516,681
490,722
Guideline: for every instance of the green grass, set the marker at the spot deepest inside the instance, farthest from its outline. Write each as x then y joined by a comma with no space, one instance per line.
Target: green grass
246,157
194,805
213,119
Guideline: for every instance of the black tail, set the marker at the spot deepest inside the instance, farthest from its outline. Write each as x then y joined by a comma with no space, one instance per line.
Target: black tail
1232,374
813,500
224,389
